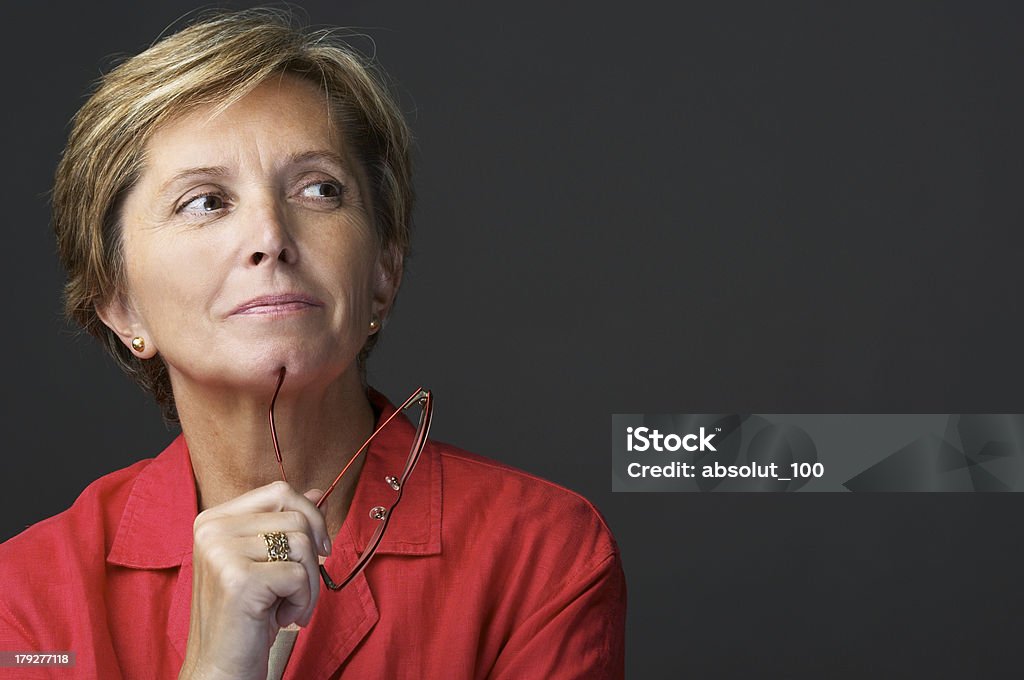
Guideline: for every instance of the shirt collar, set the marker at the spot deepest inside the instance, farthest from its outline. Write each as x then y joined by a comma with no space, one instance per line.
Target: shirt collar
155,531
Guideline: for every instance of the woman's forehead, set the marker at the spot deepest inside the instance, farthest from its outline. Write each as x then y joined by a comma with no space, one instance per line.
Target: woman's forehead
281,121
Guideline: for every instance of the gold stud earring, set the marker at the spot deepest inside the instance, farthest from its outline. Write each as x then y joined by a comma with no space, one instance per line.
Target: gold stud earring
374,324
138,344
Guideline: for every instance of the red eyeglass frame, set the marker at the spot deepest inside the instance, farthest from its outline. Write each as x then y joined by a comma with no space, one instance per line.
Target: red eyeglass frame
420,396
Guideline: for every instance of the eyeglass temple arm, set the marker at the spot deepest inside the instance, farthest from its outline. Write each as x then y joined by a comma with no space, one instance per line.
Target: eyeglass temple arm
273,428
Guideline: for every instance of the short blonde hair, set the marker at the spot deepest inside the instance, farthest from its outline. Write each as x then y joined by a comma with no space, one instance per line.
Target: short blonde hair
215,60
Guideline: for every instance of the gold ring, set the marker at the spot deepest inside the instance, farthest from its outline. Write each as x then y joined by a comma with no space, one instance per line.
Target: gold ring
277,546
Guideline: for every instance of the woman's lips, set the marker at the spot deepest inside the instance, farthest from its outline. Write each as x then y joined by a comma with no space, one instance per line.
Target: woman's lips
277,304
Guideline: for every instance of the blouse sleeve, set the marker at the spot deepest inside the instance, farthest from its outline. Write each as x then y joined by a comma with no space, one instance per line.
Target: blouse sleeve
578,633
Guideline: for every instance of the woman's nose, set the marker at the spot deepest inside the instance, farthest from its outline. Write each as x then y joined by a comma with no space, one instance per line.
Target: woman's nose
258,256
271,237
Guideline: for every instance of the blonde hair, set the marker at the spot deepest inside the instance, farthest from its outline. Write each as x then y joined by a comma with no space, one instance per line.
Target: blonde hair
214,61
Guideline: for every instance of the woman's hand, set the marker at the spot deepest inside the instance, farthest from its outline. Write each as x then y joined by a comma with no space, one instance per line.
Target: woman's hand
239,599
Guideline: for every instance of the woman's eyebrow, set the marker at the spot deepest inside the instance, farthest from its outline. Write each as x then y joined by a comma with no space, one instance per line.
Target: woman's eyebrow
192,173
332,157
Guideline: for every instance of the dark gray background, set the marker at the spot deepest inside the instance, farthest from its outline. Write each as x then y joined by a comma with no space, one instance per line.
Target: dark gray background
750,207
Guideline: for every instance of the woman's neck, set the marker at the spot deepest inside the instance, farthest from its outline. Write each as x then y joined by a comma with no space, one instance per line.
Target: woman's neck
318,430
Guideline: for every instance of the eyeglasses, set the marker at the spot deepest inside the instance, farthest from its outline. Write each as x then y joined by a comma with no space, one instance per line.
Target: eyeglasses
421,397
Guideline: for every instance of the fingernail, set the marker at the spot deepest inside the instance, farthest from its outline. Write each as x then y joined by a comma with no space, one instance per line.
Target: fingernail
326,545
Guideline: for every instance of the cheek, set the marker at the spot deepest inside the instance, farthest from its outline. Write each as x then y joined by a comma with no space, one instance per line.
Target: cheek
348,264
169,287
350,278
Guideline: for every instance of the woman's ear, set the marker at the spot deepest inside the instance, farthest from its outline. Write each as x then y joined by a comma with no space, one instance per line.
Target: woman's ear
120,317
387,278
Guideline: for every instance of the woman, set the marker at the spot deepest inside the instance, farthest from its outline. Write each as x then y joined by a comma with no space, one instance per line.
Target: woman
232,209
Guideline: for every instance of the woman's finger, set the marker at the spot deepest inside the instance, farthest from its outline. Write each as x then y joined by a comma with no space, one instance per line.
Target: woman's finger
286,522
276,497
290,582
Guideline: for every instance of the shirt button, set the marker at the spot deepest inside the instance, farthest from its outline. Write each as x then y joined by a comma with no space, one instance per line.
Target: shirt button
378,512
393,482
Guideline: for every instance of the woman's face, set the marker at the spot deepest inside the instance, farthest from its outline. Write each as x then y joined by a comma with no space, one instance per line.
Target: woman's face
249,245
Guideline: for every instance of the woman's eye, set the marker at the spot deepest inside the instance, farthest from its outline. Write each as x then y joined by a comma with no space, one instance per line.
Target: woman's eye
203,204
322,190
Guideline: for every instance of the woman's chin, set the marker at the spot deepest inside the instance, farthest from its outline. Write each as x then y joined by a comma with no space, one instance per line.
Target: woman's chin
262,373
300,369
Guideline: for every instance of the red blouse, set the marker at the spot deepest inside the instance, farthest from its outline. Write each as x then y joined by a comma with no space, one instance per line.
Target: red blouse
484,572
